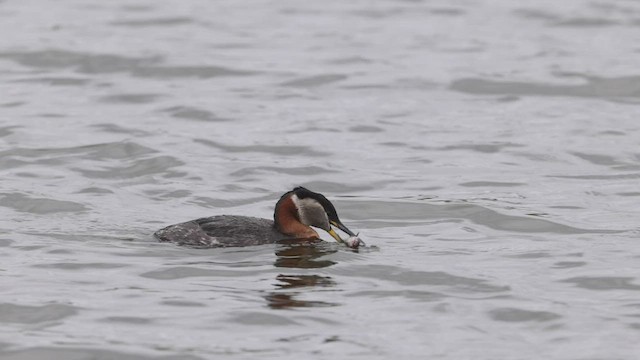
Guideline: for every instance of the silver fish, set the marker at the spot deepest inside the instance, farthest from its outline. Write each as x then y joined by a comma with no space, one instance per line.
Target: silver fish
354,242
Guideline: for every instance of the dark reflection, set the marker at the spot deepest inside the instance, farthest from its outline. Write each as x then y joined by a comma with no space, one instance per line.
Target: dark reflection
301,254
296,281
287,301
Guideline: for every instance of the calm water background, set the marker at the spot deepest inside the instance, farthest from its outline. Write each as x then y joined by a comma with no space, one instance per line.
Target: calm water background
488,150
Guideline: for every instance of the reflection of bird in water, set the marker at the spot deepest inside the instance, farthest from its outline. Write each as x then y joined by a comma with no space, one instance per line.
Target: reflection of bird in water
285,300
295,213
301,255
299,281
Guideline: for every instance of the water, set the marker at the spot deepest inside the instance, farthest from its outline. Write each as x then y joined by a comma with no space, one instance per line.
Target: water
486,150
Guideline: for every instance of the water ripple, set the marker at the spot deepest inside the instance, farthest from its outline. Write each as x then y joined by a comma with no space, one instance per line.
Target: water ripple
604,283
24,314
392,211
165,21
181,272
431,278
192,113
313,81
88,63
282,150
612,89
36,205
520,315
84,353
142,167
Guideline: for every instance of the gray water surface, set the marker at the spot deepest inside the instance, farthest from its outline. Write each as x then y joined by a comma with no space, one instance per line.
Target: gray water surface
487,151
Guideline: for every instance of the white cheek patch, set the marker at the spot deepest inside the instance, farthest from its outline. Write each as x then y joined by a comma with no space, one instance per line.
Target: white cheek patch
310,212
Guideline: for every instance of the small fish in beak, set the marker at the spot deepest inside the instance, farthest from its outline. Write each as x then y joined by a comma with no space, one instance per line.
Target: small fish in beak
354,242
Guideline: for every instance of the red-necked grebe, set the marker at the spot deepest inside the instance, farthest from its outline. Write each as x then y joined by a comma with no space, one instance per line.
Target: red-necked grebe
295,213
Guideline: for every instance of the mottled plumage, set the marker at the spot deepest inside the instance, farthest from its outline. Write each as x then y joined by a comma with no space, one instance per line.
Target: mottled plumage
222,231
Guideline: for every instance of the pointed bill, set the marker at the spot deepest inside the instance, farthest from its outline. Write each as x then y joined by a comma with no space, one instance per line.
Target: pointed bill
335,235
341,226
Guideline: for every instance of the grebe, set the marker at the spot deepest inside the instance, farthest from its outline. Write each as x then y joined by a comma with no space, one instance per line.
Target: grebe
295,213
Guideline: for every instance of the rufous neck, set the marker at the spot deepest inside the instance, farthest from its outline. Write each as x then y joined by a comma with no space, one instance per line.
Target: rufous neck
287,222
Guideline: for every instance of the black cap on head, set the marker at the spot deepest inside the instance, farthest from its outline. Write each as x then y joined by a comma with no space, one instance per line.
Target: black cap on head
329,209
303,193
